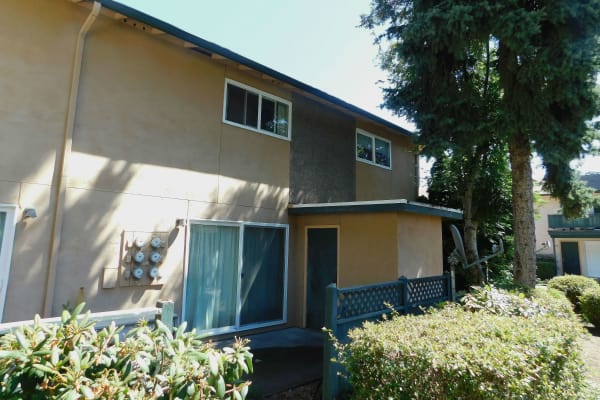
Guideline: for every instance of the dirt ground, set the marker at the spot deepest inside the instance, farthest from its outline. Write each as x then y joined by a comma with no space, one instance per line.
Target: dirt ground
311,391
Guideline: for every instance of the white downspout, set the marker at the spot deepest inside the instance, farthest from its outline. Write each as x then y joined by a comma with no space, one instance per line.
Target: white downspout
61,181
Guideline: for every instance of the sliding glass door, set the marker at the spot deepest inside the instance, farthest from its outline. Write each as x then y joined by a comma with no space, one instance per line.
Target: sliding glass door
212,277
236,276
262,275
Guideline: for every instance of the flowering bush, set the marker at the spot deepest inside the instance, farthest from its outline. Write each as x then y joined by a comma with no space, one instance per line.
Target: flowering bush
503,302
74,361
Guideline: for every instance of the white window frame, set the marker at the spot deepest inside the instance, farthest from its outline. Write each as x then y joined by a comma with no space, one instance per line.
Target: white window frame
261,94
373,137
241,225
6,249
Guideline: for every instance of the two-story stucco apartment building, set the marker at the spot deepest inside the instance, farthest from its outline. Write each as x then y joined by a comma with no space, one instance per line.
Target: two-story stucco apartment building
139,162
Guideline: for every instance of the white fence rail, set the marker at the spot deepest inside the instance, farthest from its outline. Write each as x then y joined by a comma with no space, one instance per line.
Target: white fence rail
163,311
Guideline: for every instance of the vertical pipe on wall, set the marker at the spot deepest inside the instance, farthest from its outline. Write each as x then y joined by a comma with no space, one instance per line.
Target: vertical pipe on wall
61,184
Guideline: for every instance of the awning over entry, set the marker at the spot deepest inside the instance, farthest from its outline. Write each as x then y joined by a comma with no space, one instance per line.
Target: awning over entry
398,205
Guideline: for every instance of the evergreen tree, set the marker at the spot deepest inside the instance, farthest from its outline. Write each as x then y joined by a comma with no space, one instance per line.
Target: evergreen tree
485,198
480,72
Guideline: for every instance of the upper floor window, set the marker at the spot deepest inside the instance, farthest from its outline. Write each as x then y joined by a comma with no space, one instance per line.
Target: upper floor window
253,109
373,149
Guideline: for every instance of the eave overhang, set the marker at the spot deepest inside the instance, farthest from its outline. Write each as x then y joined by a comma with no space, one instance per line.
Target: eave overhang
574,233
210,48
398,205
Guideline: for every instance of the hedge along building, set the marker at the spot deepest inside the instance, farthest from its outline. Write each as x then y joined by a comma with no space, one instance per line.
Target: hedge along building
160,165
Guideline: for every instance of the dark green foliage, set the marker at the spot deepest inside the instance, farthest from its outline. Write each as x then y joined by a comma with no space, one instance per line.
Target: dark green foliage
590,305
513,347
545,269
572,286
482,74
73,361
491,206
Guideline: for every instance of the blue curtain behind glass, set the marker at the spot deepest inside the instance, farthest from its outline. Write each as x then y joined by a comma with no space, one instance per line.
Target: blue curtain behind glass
262,275
211,290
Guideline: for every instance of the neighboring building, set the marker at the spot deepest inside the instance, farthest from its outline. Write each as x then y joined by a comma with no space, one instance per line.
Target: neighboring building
544,205
170,167
575,243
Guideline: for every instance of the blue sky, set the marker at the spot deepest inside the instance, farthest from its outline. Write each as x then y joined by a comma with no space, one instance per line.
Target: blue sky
315,41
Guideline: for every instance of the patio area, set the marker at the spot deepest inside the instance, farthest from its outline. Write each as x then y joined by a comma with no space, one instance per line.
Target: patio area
284,359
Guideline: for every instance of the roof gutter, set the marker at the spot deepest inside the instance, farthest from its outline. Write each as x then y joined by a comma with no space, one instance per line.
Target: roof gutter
61,179
394,205
211,47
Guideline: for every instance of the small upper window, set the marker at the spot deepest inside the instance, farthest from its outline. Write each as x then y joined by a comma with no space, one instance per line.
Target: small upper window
373,149
256,110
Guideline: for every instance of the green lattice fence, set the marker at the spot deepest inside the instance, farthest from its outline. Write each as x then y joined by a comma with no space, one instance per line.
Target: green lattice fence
347,308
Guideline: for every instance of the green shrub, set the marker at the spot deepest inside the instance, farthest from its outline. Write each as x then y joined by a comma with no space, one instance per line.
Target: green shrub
545,269
572,286
590,305
554,301
457,354
73,361
528,304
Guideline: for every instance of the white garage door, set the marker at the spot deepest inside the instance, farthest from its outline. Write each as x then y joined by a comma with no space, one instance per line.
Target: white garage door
592,258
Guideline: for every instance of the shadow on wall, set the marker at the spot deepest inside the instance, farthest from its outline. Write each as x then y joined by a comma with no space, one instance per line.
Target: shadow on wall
95,218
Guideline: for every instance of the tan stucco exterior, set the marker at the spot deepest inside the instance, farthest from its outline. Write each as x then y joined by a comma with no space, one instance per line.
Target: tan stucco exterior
419,245
34,85
373,247
149,148
400,182
545,205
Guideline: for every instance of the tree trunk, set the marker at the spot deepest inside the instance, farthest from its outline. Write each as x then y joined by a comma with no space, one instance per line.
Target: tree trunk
473,274
522,198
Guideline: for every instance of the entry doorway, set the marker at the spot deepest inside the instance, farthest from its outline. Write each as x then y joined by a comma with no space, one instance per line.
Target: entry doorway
321,270
570,258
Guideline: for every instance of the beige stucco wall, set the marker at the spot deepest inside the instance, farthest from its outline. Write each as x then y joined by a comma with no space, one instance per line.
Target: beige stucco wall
377,183
36,65
149,147
419,245
544,206
373,248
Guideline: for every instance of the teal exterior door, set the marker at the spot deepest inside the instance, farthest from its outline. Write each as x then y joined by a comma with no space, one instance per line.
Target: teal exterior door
570,258
321,260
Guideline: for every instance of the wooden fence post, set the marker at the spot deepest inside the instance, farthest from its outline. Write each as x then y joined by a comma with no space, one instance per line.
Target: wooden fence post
166,313
330,367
